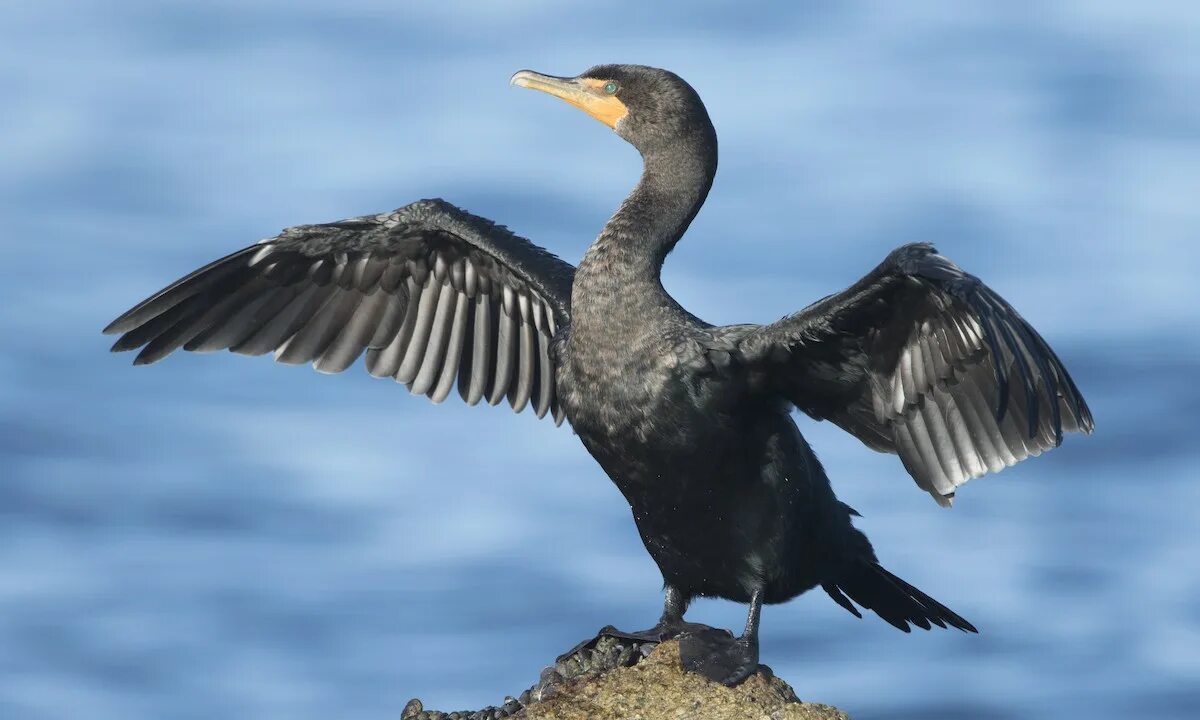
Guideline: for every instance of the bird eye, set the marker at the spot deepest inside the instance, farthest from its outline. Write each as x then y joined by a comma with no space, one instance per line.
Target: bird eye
611,87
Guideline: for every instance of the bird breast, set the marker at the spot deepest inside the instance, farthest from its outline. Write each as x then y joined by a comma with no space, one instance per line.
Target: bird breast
614,386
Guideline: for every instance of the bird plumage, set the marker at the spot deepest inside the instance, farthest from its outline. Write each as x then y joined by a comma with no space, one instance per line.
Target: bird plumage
433,295
922,359
691,421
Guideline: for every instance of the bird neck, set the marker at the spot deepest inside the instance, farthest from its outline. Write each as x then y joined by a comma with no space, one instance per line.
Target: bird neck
637,238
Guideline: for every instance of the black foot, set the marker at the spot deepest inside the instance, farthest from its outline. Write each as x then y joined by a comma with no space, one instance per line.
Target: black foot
719,656
656,634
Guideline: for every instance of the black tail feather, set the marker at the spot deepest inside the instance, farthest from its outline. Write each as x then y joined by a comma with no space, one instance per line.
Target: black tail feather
840,598
899,603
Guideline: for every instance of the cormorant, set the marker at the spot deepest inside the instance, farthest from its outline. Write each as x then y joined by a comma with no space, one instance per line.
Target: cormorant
690,420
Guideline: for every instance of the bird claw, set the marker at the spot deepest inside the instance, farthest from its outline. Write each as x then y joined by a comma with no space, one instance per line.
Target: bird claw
719,656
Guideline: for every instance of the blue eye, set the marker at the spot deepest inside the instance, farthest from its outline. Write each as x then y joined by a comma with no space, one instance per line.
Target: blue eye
611,87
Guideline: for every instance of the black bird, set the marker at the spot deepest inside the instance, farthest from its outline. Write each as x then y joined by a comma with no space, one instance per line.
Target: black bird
690,420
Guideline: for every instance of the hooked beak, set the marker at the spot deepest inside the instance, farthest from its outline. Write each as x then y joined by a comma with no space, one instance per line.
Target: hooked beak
584,93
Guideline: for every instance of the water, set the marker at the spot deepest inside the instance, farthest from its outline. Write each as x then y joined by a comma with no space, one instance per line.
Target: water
217,536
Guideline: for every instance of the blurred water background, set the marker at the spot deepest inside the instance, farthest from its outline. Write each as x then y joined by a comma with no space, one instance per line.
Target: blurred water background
222,537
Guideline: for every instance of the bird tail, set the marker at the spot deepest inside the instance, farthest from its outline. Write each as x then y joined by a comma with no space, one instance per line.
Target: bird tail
874,588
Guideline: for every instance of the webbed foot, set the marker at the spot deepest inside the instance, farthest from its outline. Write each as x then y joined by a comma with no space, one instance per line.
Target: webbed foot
719,656
660,632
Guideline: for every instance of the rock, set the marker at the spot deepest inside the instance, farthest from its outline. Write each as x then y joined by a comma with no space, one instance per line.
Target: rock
622,682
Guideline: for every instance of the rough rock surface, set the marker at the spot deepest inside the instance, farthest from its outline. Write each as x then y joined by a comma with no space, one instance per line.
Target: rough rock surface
623,681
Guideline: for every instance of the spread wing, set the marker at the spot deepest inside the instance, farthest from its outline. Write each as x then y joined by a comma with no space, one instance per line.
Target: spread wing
433,294
922,359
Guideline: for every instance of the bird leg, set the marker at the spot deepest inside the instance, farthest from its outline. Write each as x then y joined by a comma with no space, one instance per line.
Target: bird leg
719,656
670,624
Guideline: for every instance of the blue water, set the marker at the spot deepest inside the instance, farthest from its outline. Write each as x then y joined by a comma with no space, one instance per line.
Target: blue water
221,537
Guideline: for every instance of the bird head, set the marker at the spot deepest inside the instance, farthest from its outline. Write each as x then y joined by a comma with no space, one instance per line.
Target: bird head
649,107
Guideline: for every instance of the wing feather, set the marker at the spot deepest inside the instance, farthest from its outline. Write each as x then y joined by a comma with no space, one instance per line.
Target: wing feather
924,360
545,374
454,348
385,362
482,355
522,390
431,294
311,340
284,324
439,333
506,352
354,335
414,353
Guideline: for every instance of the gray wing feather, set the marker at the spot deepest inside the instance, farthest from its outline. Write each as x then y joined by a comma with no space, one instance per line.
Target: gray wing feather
924,360
319,332
432,294
240,324
418,344
454,347
390,321
520,392
355,334
481,349
506,352
284,324
435,346
385,362
545,375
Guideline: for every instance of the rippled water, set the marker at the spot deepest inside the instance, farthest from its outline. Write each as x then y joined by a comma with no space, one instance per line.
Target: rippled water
222,537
